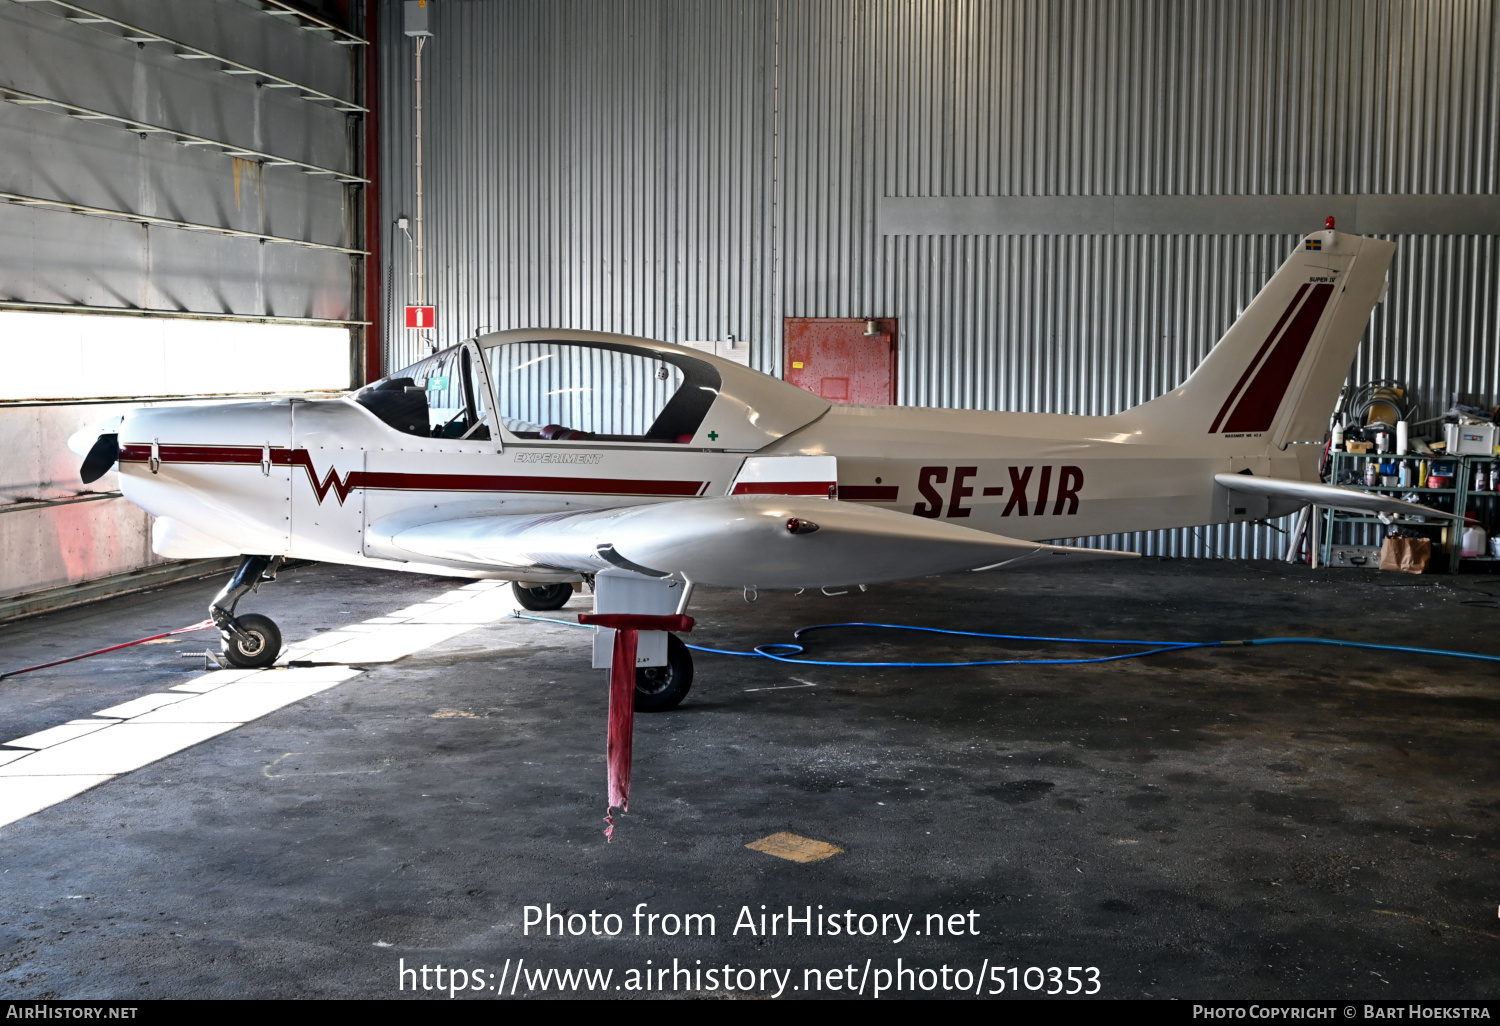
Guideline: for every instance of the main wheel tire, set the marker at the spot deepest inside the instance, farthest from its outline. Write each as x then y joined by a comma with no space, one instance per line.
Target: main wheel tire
541,597
659,688
263,646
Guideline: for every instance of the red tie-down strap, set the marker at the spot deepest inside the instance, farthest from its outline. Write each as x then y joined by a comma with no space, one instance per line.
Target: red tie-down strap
622,695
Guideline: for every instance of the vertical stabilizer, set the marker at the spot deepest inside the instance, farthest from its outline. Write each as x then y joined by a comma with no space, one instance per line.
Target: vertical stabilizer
1274,377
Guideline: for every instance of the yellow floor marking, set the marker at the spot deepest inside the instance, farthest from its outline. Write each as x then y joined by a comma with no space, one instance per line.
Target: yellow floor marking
794,848
1434,922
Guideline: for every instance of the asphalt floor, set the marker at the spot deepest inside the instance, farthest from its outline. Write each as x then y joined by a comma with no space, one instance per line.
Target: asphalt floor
1217,823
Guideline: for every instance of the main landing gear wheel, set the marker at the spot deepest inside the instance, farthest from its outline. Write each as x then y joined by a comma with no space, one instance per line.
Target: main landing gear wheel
659,688
256,645
541,597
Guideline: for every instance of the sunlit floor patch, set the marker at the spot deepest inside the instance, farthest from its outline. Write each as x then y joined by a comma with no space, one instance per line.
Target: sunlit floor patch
119,748
55,764
57,735
253,697
144,704
395,641
19,799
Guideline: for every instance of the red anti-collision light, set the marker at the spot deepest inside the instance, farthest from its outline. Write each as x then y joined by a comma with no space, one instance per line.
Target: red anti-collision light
1329,223
798,526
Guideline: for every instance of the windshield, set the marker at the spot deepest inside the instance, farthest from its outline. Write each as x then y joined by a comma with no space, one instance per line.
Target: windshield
436,398
571,391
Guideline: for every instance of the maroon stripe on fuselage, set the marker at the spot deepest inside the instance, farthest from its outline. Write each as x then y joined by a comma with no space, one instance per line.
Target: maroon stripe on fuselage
492,483
1250,368
235,454
869,493
392,481
782,488
1257,407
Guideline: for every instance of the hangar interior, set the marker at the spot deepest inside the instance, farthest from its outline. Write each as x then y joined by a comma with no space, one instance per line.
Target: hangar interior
1040,208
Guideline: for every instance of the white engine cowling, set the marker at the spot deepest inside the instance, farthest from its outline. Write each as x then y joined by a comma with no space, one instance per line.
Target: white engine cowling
171,539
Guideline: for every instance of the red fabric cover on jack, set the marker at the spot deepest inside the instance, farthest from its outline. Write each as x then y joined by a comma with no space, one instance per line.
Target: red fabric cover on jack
639,621
622,696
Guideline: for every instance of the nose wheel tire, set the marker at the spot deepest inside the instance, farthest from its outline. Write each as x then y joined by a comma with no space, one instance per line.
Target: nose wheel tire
260,646
541,597
659,688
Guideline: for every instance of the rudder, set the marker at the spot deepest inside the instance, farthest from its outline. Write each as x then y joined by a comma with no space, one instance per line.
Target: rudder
1275,375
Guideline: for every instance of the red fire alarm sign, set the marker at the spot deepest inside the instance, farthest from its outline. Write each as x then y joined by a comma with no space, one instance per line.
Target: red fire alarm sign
421,316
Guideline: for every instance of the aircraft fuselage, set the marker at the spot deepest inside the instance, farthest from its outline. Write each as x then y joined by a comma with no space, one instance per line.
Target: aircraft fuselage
327,480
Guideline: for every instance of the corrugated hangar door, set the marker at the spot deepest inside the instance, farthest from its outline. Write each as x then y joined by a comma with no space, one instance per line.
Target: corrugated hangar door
181,194
843,359
179,157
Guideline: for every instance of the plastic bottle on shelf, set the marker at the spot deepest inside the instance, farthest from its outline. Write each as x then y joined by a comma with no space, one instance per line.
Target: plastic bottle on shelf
1372,473
1338,437
1495,477
1475,541
1403,438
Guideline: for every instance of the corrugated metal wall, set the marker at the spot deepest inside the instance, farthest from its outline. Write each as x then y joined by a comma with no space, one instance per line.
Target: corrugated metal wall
688,169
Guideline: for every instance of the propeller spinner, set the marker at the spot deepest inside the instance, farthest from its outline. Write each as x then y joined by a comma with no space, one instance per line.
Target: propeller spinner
101,458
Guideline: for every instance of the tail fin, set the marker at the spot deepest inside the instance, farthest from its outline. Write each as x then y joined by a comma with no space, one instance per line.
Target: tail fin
1275,375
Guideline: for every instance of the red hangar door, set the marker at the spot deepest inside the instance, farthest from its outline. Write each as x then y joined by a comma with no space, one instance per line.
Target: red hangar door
842,359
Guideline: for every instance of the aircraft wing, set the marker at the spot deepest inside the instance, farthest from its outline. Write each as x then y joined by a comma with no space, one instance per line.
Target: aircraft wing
756,541
1327,495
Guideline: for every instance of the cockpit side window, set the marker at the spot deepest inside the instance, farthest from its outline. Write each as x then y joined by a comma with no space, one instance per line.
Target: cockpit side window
437,397
574,392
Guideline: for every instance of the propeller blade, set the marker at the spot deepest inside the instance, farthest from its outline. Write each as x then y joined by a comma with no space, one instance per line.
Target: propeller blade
101,458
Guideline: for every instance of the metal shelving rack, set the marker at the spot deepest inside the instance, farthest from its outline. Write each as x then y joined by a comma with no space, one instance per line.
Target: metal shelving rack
1447,538
1489,509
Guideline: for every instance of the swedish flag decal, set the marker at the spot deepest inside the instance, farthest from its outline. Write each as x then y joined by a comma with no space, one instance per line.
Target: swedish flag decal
1313,244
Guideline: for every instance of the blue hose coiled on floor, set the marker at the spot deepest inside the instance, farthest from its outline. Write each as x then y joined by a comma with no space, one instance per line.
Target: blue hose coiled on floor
787,652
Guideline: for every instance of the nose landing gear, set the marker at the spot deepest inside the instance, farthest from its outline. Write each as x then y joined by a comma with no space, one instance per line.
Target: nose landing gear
251,641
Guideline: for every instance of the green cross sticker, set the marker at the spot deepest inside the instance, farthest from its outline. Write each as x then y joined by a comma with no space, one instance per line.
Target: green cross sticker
713,436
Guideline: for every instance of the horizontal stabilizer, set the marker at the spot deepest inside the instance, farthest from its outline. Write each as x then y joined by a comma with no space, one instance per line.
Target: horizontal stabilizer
1334,496
749,541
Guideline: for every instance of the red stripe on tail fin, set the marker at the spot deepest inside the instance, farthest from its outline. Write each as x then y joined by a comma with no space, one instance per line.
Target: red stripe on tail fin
1239,385
1257,407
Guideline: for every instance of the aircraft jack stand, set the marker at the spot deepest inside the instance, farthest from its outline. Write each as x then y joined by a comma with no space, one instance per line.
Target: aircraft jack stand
664,681
251,641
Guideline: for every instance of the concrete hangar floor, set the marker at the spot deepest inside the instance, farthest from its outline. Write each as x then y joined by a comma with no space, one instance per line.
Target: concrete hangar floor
1214,823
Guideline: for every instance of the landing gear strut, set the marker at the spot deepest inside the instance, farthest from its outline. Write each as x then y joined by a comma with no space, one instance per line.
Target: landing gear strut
250,641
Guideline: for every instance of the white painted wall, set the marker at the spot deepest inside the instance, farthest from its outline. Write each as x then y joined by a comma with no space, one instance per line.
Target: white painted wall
43,548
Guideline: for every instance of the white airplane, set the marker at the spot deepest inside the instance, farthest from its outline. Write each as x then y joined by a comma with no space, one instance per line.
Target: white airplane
552,457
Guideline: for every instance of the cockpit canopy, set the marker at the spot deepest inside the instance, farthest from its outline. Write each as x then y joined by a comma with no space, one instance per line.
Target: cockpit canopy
599,392
574,386
553,390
